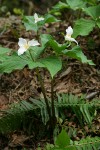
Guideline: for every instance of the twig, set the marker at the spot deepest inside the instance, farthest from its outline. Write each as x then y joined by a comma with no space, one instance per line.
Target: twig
92,95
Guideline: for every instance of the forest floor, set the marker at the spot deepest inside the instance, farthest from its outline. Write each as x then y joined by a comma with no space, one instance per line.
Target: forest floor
75,78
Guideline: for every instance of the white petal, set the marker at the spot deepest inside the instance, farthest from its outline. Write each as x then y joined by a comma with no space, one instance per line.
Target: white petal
67,38
69,30
33,43
21,50
41,18
72,39
22,42
37,18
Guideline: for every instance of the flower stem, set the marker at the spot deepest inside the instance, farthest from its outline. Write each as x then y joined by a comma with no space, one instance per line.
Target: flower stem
53,119
42,87
31,56
43,91
52,97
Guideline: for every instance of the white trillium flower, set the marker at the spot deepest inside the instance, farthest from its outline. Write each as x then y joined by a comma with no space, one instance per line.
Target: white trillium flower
69,32
24,45
37,19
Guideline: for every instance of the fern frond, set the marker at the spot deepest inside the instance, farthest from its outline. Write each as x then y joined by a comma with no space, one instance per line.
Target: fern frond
42,106
85,111
88,144
11,119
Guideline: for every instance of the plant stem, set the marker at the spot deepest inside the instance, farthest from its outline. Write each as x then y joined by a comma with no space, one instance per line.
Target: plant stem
43,91
42,87
52,97
38,35
53,118
31,56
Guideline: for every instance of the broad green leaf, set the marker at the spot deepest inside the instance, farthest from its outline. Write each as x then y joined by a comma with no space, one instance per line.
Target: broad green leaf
4,53
92,2
76,4
83,27
12,63
98,22
48,40
4,50
93,11
58,48
29,23
77,53
53,64
36,64
45,38
36,51
58,7
50,18
63,139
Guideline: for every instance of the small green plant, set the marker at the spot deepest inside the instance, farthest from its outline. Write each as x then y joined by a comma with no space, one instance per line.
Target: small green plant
30,54
63,142
86,15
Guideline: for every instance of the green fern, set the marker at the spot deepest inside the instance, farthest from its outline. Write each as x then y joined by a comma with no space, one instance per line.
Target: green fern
12,119
85,111
42,106
88,144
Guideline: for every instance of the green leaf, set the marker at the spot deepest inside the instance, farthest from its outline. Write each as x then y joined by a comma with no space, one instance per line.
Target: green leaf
63,139
36,51
12,63
48,40
50,18
93,11
4,50
36,64
77,53
4,53
86,113
98,22
53,64
58,48
29,23
76,4
45,38
83,27
58,7
92,2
